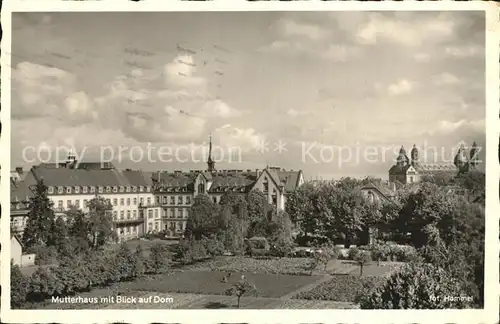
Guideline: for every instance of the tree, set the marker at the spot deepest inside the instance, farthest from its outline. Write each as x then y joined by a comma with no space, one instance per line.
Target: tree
213,246
363,259
281,238
40,217
100,222
240,288
59,235
417,286
139,262
159,257
124,262
203,218
18,287
79,231
257,210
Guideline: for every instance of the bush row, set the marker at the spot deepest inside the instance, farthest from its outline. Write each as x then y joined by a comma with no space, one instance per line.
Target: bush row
342,288
385,252
83,272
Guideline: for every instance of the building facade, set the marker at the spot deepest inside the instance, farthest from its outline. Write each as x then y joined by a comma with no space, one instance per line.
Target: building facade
174,192
74,185
145,202
411,170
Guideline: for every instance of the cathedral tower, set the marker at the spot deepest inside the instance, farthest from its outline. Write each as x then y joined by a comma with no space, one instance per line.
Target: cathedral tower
210,162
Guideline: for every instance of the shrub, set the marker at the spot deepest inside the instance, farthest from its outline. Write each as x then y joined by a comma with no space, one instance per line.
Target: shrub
417,286
18,287
258,243
393,252
44,254
353,253
159,257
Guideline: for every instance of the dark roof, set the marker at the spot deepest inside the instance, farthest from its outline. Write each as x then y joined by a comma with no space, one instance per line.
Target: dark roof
423,168
233,181
20,191
434,167
290,179
79,165
174,180
86,177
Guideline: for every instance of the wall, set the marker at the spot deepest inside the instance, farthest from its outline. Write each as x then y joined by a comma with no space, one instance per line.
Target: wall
28,260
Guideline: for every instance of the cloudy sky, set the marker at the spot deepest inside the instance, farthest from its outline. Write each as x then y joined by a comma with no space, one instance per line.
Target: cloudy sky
334,94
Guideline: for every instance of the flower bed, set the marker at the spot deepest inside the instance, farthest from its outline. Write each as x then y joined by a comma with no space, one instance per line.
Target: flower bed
290,266
342,288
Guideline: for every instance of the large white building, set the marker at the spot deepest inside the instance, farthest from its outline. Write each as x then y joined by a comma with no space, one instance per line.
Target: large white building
145,202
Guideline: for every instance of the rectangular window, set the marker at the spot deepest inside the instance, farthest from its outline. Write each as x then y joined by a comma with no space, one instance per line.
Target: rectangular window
172,200
68,204
128,214
149,201
122,214
77,203
188,200
134,201
134,213
128,201
122,201
60,203
115,202
156,213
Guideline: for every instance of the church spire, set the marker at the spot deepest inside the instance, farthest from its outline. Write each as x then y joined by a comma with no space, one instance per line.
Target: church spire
210,162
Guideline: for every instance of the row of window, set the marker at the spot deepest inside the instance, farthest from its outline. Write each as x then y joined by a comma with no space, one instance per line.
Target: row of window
169,213
99,189
172,226
130,215
127,230
181,200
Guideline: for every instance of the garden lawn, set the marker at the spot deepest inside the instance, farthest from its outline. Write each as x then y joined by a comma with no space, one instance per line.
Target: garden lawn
209,282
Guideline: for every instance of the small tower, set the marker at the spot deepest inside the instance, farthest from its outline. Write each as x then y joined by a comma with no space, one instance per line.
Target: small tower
473,159
70,160
402,159
210,162
460,160
414,155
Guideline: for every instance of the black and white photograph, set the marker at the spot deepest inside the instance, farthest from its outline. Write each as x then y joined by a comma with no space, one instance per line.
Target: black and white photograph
249,160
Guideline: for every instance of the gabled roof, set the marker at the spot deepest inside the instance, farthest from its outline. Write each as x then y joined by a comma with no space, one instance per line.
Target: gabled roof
80,165
290,179
12,235
426,167
86,177
20,191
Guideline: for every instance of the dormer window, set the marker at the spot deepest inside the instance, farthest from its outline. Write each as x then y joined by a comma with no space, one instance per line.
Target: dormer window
115,189
122,189
148,188
128,189
108,189
85,189
134,189
101,189
60,190
141,189
51,190
77,190
92,189
68,190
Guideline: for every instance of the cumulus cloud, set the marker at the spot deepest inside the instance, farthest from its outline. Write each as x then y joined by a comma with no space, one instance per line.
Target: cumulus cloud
290,27
243,138
445,78
380,27
401,87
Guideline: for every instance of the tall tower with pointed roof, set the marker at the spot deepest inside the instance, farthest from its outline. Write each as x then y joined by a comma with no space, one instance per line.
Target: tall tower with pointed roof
460,160
402,159
210,162
473,159
414,155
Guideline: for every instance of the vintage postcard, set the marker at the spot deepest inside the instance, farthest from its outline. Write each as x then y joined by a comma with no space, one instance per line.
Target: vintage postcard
249,161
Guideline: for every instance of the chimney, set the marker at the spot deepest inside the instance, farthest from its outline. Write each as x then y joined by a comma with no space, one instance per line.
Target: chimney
257,172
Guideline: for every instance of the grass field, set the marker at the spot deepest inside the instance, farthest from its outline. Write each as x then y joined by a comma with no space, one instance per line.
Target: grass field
209,282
